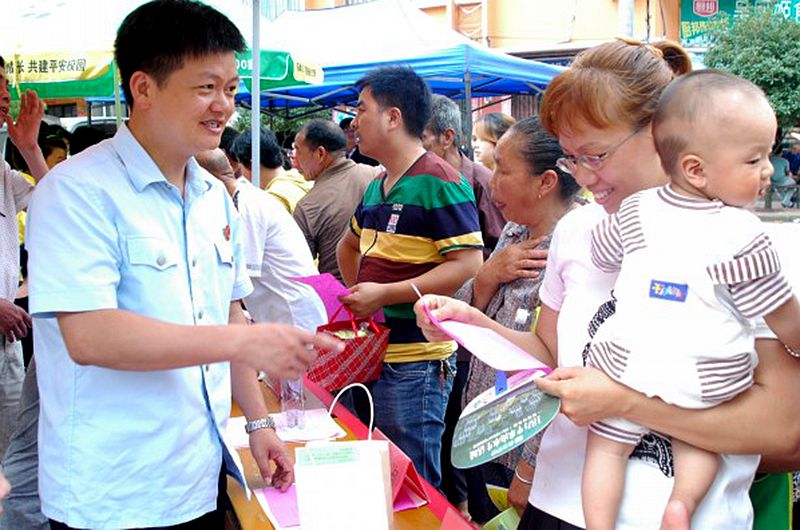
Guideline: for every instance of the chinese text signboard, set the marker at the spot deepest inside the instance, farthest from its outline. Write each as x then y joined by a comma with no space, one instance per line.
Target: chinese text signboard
57,66
697,16
789,9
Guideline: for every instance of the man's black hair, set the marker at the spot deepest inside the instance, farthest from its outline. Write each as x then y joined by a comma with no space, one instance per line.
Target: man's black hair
345,123
84,137
324,133
270,152
2,62
229,135
401,87
52,137
158,36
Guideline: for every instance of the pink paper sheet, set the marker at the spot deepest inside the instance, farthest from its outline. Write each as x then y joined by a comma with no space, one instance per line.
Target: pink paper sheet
489,346
283,505
329,290
405,502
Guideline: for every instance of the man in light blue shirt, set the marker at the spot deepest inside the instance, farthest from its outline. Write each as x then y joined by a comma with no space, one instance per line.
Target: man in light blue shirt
135,272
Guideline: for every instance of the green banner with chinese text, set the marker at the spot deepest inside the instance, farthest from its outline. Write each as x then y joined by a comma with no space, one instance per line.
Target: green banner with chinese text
698,15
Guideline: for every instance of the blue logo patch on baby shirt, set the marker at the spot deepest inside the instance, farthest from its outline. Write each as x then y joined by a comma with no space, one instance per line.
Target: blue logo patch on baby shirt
675,292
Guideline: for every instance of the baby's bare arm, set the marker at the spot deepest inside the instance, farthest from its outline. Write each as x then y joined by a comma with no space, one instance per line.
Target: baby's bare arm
785,323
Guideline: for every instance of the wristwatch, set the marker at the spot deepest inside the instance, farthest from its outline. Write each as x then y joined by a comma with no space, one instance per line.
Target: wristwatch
261,423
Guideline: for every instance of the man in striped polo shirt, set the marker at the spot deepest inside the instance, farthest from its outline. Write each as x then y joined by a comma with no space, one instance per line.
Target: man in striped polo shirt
416,224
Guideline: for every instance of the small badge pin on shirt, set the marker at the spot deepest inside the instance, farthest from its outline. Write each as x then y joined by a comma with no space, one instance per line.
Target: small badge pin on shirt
226,232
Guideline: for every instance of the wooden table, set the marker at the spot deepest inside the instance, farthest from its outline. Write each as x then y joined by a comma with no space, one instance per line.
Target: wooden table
249,513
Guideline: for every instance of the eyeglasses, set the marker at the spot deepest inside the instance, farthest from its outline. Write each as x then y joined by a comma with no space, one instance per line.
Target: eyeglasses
569,164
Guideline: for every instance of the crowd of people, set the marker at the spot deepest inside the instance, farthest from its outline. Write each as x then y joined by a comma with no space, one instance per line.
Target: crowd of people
156,281
786,162
602,111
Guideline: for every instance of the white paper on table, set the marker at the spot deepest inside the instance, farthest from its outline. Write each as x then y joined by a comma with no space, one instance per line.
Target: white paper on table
318,426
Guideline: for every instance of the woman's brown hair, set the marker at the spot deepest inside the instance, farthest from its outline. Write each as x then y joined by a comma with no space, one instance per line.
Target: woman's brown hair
493,125
614,83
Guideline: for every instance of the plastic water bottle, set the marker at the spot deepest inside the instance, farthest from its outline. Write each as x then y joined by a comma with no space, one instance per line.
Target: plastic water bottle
293,403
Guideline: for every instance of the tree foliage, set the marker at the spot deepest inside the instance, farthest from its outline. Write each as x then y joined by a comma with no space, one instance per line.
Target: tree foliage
764,47
283,128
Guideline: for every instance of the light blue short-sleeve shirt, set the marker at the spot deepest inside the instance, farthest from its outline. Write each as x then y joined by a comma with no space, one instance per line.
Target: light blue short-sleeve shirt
120,449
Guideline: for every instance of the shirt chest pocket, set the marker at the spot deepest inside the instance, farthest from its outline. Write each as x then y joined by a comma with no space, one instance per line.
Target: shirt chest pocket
153,252
224,252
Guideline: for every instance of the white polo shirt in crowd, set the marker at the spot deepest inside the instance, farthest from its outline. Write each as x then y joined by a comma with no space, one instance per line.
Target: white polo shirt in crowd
121,449
275,250
16,192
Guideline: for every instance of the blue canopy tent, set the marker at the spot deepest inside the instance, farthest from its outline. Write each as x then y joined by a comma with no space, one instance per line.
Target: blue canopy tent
349,41
456,72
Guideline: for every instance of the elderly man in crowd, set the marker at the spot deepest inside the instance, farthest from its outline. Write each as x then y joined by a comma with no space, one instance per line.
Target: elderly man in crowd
273,252
339,183
442,136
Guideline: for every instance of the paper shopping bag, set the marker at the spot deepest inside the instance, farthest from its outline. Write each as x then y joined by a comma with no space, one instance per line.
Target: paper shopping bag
407,489
362,358
344,485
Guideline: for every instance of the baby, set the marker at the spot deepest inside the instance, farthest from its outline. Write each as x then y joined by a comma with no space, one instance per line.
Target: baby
694,269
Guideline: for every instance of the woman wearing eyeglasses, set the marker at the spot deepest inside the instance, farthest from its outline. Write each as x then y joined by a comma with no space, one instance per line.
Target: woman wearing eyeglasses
600,110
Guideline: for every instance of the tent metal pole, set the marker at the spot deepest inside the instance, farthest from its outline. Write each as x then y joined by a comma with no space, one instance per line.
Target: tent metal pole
538,91
332,93
287,97
625,14
466,114
255,96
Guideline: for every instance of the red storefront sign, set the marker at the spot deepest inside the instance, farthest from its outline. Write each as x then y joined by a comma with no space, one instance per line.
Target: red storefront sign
705,8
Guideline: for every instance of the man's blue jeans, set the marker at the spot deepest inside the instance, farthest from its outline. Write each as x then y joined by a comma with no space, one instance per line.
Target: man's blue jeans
410,401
